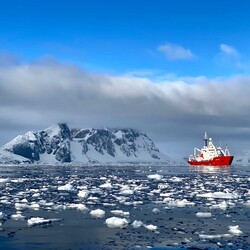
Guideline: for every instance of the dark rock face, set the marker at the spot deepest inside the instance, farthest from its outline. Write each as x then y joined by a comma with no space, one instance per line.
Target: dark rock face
54,140
107,141
92,144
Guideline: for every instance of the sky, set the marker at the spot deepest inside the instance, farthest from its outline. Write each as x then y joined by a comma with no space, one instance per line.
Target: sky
172,69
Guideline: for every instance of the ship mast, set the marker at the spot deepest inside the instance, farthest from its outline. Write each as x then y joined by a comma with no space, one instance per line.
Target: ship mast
205,140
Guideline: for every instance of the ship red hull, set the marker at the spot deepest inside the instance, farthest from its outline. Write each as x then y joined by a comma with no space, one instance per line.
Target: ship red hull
216,161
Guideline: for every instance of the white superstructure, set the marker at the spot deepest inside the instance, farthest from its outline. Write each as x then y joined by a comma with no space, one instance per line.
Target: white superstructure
209,151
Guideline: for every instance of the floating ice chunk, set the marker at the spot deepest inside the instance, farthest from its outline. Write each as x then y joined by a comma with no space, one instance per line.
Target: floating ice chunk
156,210
93,198
137,224
19,180
127,192
80,207
17,217
66,187
179,203
97,213
4,180
156,177
46,204
219,195
166,194
163,186
37,221
107,185
203,215
114,222
175,179
5,201
35,206
235,230
214,236
83,194
20,206
36,195
120,212
223,205
60,207
150,227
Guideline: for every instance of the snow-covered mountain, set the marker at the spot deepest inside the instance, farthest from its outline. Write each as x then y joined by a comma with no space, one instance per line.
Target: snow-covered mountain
243,159
59,144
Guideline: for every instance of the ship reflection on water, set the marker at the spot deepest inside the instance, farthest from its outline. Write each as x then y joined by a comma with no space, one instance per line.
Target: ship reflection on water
211,169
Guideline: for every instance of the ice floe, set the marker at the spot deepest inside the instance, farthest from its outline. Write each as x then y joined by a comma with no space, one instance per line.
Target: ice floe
156,210
4,180
235,230
137,224
203,214
97,213
178,202
35,206
83,194
223,205
150,227
214,236
80,207
38,221
120,213
17,217
107,185
127,192
156,177
66,187
115,222
219,195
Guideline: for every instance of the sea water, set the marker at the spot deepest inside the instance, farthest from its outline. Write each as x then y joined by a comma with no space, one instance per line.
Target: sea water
124,207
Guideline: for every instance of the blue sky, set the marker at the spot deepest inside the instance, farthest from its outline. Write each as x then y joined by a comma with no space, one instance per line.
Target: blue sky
173,69
121,36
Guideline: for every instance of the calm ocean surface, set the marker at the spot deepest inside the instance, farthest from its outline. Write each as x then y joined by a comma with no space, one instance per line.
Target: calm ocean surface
159,207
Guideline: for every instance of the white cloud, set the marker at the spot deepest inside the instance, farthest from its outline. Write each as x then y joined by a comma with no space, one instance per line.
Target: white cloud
175,52
231,57
37,95
229,51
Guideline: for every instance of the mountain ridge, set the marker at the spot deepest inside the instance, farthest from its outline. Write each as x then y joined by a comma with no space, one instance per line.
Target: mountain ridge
60,144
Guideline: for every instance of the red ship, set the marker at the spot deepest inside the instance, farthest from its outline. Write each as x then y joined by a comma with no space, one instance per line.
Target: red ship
210,155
